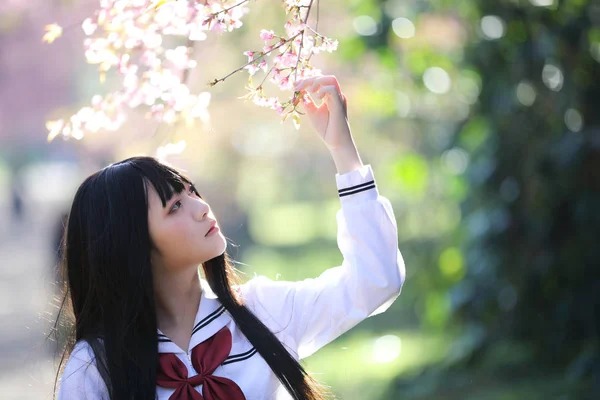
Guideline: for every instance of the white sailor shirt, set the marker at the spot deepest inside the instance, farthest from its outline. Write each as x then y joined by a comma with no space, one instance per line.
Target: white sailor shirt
304,315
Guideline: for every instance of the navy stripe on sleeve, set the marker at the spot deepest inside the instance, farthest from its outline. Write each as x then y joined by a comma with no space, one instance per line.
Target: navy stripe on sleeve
357,188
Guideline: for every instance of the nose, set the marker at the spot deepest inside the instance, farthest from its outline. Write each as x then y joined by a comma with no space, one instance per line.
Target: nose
201,210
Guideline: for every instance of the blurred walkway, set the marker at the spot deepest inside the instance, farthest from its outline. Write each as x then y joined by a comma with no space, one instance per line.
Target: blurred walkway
26,363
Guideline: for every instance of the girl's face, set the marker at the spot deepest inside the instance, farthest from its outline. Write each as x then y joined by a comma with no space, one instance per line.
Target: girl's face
179,231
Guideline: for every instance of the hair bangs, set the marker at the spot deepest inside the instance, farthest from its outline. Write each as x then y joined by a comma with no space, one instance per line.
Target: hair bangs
166,180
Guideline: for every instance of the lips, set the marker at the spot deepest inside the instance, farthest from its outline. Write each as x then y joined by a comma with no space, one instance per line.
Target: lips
212,225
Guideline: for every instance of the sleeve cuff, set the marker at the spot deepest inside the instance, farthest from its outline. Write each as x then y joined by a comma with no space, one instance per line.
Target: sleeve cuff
357,186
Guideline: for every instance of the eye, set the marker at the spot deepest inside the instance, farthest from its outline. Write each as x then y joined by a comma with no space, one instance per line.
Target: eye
177,204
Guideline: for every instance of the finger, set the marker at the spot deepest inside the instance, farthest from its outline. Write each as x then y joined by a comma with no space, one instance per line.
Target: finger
308,103
324,81
315,113
300,83
327,80
332,98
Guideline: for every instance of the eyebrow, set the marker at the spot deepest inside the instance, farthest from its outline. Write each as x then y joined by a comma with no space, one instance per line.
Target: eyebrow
176,196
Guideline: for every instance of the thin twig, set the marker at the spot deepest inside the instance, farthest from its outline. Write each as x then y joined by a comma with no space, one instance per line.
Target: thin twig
314,31
308,11
265,78
212,83
308,8
227,9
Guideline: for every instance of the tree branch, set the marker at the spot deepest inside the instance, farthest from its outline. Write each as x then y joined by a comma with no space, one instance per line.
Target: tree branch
212,83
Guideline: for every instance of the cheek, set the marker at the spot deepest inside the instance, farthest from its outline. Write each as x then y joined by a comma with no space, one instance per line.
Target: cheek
175,235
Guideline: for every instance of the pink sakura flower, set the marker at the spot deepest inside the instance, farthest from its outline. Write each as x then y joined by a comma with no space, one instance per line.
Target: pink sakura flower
276,105
149,58
179,57
252,68
156,111
263,65
153,77
88,26
130,81
235,24
97,101
136,98
196,33
276,75
199,107
292,29
267,35
288,60
327,45
152,40
261,101
219,27
123,64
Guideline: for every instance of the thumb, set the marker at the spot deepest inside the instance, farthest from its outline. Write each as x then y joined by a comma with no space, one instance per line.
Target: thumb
308,103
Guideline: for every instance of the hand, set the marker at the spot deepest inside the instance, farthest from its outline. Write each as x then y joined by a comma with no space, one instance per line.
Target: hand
330,119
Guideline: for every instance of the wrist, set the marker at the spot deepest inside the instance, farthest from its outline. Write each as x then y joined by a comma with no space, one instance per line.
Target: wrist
346,158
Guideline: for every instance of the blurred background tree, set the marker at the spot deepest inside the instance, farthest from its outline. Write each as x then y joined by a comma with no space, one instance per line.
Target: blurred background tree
525,300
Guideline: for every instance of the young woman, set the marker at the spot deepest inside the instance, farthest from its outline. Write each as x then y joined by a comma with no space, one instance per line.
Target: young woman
148,326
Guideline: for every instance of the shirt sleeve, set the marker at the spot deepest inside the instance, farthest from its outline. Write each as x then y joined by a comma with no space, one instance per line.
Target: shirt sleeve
315,311
81,379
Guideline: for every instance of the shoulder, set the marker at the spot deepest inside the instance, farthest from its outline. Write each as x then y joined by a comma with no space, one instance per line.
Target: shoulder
80,378
270,300
261,289
81,356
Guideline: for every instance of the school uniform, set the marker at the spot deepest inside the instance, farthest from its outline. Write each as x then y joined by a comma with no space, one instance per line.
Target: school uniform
305,315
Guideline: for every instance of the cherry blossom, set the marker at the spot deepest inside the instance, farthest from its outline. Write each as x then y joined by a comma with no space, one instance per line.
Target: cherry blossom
128,38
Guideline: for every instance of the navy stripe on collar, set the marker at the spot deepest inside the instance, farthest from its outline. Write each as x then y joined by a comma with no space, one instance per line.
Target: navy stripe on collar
201,324
208,319
240,357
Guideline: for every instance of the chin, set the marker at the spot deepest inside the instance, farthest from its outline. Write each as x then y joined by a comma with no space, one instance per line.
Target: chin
219,249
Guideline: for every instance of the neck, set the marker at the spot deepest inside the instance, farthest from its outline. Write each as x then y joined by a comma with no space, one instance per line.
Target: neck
177,297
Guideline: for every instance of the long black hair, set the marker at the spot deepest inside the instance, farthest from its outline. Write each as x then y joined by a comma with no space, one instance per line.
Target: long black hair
108,297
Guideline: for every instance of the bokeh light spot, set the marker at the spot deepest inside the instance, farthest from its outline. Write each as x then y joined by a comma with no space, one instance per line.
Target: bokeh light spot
526,94
365,25
437,80
493,27
553,77
573,120
403,28
386,349
455,160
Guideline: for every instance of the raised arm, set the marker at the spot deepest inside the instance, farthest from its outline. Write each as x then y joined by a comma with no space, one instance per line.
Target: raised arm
308,314
311,313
